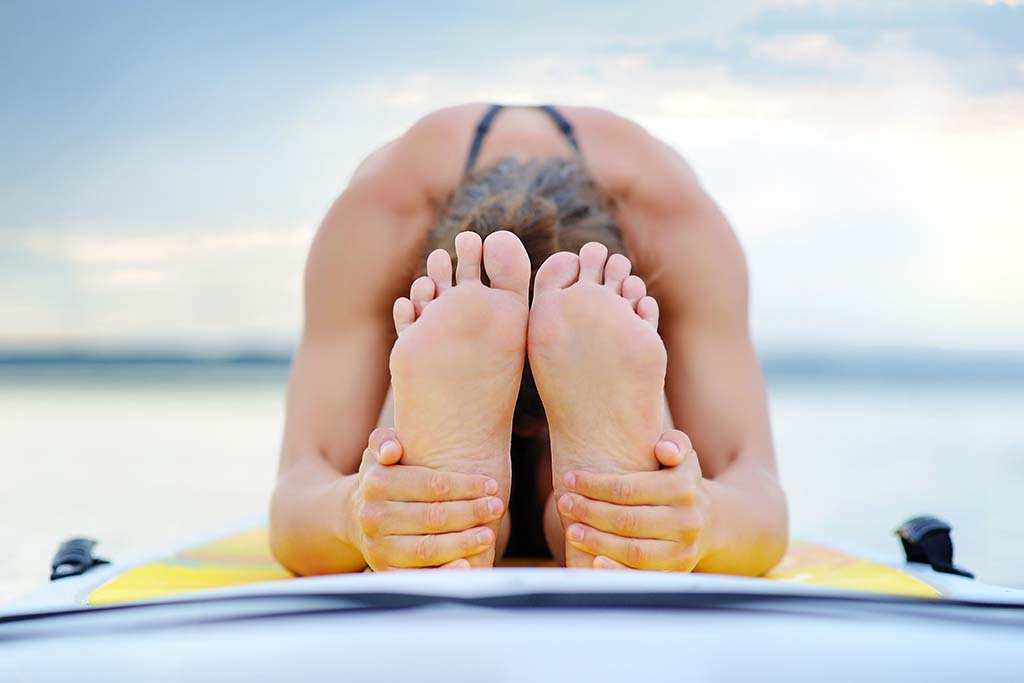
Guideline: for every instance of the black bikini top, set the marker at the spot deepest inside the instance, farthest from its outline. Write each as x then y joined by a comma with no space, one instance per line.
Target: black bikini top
487,120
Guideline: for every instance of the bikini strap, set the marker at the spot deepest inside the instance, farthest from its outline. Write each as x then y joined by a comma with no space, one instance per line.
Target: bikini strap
563,125
487,120
481,132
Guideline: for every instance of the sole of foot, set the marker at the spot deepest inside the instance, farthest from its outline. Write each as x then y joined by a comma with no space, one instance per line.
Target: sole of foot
599,365
458,361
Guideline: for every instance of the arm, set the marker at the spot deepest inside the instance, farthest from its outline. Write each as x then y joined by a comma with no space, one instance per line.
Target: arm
330,497
338,381
715,389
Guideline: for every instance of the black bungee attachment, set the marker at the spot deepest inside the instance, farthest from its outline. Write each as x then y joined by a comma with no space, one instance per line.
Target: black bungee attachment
927,540
74,557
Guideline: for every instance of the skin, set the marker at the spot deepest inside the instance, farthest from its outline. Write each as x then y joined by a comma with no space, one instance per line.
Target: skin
347,498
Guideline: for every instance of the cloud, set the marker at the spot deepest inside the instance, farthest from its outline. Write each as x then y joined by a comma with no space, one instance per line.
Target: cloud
114,287
873,191
978,45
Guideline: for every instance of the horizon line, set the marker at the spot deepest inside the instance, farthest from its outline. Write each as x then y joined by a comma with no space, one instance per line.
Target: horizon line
896,364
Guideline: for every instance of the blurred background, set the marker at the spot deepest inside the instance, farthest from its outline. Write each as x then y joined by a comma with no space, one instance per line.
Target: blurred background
165,165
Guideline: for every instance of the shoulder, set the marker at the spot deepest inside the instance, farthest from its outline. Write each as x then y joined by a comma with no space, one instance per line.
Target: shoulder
675,230
425,163
631,163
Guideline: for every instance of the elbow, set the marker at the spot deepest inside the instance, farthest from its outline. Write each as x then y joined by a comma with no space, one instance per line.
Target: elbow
774,533
304,536
777,531
282,534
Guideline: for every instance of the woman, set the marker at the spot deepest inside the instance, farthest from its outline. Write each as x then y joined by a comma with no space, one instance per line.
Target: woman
580,458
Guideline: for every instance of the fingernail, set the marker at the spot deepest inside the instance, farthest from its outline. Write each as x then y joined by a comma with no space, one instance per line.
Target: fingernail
672,446
570,480
565,503
484,536
491,487
387,446
601,563
575,532
494,506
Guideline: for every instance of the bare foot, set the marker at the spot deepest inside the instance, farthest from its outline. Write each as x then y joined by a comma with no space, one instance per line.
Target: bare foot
599,365
456,366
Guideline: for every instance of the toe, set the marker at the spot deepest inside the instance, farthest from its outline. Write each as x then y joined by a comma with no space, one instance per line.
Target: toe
592,258
439,269
557,272
633,289
647,309
506,263
616,271
422,293
404,314
468,249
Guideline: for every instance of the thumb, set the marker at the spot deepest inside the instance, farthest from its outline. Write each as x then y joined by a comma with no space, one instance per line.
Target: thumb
672,448
385,446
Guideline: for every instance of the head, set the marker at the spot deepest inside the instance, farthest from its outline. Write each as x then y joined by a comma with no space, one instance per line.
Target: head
551,205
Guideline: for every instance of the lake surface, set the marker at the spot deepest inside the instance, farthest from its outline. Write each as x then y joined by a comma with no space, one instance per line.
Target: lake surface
140,458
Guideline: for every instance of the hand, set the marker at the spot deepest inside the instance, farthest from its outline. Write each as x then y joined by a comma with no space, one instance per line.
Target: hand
409,516
644,520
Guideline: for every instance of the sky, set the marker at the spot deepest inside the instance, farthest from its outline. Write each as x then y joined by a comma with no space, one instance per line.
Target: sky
163,166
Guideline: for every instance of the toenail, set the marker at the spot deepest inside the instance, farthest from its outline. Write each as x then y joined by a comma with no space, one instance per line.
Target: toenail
565,502
575,532
570,480
491,487
494,506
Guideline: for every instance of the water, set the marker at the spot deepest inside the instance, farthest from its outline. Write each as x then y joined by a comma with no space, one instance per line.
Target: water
141,459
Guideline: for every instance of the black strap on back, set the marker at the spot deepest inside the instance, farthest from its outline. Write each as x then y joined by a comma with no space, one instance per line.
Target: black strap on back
481,132
487,120
563,125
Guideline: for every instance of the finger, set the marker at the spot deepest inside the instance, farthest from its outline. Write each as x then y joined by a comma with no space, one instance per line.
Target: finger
385,446
638,553
367,462
633,521
460,563
661,487
577,559
602,562
390,518
672,447
434,550
407,483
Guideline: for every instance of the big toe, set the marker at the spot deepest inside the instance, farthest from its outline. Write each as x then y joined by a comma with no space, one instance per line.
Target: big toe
558,272
506,263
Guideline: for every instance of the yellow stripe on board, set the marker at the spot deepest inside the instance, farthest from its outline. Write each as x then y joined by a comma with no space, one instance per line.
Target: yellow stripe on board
818,565
245,558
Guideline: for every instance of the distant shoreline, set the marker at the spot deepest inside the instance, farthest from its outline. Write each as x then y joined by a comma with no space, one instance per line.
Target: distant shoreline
896,365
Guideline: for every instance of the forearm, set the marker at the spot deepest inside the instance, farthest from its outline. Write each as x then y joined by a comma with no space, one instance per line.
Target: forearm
748,525
311,519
